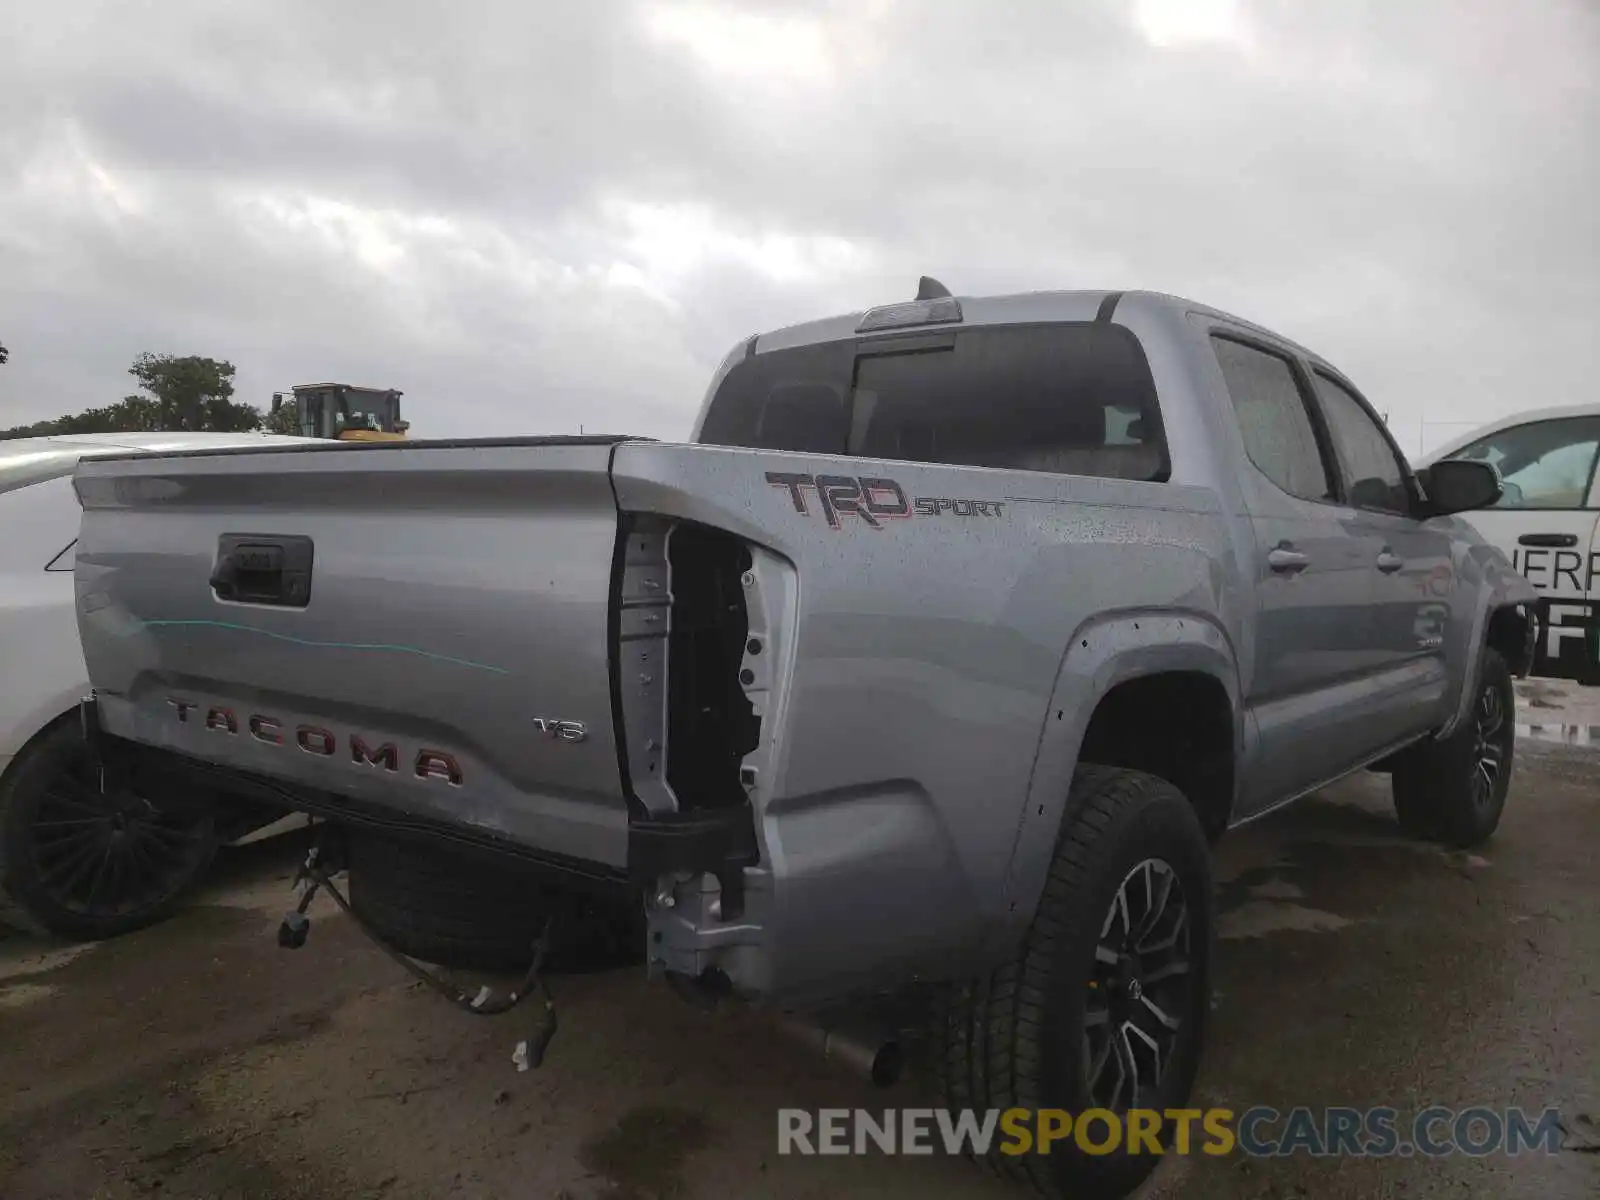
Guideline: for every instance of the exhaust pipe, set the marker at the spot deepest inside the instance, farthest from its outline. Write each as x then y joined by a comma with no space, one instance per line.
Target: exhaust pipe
865,1051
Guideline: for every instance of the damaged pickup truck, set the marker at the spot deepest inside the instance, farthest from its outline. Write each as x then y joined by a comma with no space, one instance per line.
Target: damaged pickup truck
940,657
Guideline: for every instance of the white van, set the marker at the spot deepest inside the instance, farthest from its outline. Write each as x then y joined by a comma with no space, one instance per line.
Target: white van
1546,522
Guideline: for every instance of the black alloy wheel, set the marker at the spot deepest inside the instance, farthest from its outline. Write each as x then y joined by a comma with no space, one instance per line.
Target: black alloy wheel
1491,745
86,861
1453,790
1141,988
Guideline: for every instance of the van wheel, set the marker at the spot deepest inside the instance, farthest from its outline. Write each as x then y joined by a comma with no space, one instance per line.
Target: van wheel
1105,1006
83,864
1453,791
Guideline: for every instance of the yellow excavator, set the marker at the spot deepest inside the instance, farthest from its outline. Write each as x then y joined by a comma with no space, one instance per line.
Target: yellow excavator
344,412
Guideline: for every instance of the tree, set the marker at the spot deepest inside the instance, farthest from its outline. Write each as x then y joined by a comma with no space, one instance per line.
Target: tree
282,419
192,393
130,414
37,429
185,393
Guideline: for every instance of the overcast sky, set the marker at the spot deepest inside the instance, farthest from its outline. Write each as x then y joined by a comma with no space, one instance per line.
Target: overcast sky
532,217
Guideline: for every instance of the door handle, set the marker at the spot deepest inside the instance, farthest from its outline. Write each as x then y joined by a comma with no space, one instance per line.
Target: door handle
1389,562
263,569
1285,561
1548,539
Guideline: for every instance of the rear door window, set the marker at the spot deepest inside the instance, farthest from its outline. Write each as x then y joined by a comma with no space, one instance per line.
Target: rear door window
1073,399
1273,419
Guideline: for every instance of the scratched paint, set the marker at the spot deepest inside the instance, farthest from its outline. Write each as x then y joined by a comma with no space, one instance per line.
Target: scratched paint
316,645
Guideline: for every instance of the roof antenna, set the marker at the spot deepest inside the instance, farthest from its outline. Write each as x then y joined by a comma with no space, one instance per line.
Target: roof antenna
929,288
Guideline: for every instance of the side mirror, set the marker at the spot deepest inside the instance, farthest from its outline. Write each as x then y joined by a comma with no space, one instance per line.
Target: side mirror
1461,485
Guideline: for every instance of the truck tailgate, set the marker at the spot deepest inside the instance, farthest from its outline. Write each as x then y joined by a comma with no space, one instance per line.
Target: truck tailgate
423,627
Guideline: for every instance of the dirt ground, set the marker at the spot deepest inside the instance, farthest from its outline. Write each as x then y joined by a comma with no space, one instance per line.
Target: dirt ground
1356,968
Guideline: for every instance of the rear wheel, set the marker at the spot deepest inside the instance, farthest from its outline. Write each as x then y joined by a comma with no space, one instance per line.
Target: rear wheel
1105,1007
438,904
84,863
1454,791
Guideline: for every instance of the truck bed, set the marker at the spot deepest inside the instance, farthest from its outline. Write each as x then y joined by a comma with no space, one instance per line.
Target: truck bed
458,595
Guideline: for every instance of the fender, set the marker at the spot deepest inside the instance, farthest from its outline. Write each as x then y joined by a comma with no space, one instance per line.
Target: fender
1498,585
1105,651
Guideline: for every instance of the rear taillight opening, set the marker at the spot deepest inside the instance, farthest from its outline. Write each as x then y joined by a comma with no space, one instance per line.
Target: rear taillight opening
711,723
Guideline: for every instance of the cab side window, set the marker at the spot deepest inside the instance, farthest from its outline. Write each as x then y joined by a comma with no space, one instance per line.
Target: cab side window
1372,471
1543,464
1273,419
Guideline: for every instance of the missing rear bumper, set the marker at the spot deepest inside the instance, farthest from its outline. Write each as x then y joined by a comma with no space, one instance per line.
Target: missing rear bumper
165,770
716,842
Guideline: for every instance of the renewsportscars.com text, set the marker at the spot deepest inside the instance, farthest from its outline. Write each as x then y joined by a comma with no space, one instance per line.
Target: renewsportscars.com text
1259,1132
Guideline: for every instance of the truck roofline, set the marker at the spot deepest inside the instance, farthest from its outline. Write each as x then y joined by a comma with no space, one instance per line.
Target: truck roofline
1045,306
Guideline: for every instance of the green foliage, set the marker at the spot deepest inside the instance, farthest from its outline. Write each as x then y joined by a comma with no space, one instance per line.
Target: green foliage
283,420
191,393
37,429
183,393
130,414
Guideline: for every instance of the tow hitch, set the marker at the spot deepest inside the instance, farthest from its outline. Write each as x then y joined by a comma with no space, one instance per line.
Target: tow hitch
486,1002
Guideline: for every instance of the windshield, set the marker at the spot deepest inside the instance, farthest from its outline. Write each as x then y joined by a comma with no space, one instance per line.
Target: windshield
1076,399
327,414
362,418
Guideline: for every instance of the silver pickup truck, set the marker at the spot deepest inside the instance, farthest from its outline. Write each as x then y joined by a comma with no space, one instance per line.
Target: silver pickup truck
940,657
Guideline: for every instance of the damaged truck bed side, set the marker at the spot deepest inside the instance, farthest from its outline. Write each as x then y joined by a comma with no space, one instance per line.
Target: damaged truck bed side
939,656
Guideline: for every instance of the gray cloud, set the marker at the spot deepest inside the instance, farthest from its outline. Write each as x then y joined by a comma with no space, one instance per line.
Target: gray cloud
531,218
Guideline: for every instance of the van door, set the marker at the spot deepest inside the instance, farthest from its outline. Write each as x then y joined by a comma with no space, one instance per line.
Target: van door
1546,524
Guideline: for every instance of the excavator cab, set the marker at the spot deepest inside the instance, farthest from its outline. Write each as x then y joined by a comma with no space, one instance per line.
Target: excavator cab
346,413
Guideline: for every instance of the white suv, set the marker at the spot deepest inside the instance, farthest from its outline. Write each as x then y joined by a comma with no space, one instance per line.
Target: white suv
76,860
1548,523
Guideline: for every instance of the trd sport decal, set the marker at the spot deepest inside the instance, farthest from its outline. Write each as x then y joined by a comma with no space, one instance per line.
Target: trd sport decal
873,499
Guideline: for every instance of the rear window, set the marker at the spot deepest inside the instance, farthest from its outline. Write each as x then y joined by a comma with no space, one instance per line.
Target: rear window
1075,399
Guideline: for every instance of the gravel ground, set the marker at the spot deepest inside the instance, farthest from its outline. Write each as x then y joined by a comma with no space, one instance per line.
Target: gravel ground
1356,968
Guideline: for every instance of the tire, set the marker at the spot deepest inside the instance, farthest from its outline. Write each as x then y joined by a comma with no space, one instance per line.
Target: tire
1454,791
1018,1037
85,865
435,903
